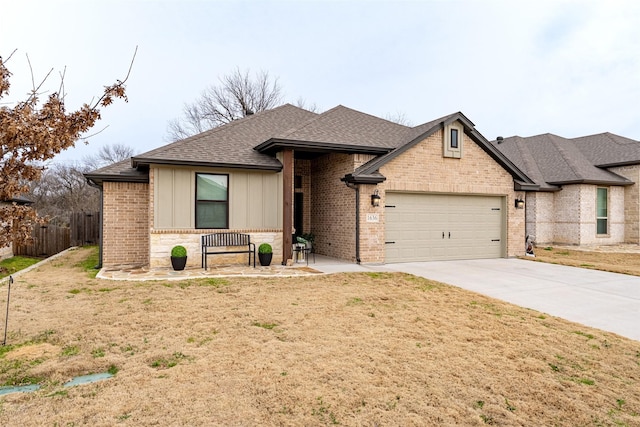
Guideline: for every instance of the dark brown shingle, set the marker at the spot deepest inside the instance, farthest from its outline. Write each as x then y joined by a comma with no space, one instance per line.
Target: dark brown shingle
551,160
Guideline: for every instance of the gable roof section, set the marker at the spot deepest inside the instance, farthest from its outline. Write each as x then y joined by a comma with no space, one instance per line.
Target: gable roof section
230,145
369,172
340,129
119,172
552,161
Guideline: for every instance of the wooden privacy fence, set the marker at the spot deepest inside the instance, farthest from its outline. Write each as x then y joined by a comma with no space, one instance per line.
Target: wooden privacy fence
84,229
47,240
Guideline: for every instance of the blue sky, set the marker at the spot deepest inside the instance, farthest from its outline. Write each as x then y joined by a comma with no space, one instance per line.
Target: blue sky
512,67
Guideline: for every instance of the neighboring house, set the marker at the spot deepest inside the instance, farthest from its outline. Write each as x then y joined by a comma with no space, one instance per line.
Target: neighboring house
588,192
7,251
445,191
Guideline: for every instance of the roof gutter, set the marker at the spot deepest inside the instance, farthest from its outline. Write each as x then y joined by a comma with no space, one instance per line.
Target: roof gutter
593,182
363,179
525,186
141,161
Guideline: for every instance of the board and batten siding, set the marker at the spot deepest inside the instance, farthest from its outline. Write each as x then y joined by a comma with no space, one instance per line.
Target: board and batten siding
255,198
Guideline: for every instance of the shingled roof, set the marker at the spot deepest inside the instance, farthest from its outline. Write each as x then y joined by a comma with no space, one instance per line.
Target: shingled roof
341,128
369,172
251,143
230,145
120,171
552,161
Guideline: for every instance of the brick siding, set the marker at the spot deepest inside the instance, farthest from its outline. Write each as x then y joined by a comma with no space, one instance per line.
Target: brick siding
540,216
125,223
423,169
333,206
568,216
631,202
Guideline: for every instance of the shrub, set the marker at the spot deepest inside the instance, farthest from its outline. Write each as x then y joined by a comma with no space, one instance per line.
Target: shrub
179,251
265,248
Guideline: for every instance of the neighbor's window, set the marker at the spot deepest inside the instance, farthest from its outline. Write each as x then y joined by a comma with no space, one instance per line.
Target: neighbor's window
212,201
454,138
601,211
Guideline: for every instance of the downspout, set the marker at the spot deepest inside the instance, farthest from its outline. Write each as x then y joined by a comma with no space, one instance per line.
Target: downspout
357,188
99,187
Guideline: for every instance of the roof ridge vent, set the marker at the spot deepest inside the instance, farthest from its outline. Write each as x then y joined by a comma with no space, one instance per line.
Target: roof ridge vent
500,140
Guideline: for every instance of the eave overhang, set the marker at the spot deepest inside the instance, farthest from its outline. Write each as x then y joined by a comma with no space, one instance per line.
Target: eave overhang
364,179
592,182
138,162
275,145
100,178
525,186
612,165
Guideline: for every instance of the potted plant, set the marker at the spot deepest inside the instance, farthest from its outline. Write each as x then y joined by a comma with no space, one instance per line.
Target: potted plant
309,239
178,257
265,253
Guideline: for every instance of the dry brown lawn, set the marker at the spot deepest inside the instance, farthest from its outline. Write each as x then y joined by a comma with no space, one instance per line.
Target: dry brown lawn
347,349
626,263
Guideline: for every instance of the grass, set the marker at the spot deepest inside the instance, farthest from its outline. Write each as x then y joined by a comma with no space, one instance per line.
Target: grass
343,349
14,264
90,262
168,361
615,262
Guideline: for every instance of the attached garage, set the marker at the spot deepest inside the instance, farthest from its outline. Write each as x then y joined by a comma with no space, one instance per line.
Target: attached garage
430,227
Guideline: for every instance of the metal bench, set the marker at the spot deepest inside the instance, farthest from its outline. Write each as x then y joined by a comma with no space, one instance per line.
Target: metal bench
227,240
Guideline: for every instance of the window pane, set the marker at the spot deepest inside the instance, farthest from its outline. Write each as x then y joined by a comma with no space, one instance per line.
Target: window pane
211,187
454,138
211,215
602,226
602,203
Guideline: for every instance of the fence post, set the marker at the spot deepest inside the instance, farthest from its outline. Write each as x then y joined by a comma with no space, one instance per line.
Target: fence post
6,320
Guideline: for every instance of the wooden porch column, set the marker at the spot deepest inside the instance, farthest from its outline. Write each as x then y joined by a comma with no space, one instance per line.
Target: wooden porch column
287,200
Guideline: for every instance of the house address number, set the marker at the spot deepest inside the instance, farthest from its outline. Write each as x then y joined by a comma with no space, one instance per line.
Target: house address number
373,217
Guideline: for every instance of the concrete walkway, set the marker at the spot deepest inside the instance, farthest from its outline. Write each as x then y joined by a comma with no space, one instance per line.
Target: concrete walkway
603,300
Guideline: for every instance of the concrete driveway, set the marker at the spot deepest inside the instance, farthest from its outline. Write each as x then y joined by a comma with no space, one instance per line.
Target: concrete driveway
607,301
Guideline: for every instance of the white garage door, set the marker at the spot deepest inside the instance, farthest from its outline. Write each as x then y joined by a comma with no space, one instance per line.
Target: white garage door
429,227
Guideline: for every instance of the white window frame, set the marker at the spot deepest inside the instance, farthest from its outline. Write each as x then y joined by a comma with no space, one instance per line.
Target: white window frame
600,218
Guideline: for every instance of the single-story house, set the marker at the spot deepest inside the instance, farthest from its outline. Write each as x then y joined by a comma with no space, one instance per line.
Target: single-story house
588,190
443,190
370,190
7,251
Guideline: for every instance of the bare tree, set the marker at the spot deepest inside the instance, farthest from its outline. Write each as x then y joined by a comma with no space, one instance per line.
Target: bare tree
61,190
302,103
237,95
107,155
399,118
